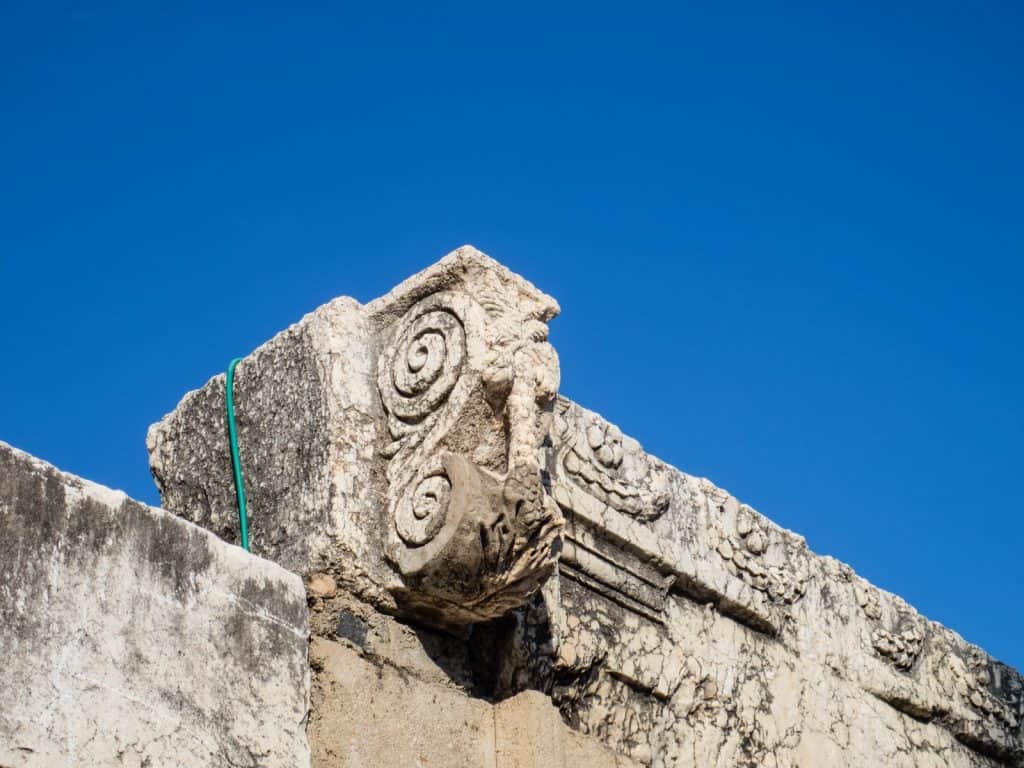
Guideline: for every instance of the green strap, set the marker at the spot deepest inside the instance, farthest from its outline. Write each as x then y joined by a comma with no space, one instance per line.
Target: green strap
236,463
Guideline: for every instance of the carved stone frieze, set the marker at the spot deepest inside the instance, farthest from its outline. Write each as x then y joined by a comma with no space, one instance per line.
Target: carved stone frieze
611,468
970,678
901,648
899,644
620,576
413,452
756,553
615,668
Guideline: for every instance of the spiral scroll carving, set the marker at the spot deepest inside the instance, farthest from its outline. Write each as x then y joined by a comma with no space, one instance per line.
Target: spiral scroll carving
422,512
467,375
426,363
421,378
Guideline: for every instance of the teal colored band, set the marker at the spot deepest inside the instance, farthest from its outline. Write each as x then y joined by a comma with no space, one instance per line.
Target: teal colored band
236,462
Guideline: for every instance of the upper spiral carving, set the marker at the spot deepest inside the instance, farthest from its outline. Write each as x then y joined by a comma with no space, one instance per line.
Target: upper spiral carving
426,362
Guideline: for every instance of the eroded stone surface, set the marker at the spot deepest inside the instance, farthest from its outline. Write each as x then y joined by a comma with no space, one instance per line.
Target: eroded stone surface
132,638
467,380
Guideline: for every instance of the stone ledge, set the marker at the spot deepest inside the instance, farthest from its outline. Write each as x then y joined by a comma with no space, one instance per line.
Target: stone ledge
130,637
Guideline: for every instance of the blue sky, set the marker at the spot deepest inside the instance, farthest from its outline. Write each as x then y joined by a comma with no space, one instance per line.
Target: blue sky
787,241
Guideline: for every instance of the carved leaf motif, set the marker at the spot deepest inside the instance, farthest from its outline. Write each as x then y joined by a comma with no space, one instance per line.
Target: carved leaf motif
744,548
598,460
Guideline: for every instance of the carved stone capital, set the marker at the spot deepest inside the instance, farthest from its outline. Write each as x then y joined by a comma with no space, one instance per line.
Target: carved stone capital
467,381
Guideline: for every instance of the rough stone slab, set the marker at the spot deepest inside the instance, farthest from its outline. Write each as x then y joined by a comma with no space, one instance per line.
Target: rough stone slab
310,425
129,637
529,733
375,715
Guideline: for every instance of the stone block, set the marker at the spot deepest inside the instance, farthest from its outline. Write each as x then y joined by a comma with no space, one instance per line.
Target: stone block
376,715
130,637
530,733
371,711
393,445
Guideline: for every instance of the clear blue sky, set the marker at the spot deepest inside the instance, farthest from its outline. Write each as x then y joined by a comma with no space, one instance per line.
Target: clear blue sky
787,242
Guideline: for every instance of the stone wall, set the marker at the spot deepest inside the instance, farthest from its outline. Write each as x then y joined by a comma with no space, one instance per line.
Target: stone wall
689,629
494,576
129,637
530,539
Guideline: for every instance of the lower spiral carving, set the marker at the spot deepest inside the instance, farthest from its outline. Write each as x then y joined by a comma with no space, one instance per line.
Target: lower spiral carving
469,541
421,513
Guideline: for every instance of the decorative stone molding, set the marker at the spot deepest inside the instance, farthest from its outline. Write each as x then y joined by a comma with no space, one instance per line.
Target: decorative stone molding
467,381
899,645
971,679
745,551
899,648
612,469
867,597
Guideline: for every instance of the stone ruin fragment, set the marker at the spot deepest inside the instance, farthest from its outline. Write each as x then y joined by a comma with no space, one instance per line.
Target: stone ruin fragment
494,576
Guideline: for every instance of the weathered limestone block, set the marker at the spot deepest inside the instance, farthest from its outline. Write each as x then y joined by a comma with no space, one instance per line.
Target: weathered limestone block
308,438
378,715
130,637
394,445
530,734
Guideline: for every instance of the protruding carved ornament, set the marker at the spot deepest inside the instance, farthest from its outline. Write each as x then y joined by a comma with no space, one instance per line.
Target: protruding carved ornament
465,389
745,549
899,645
595,456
